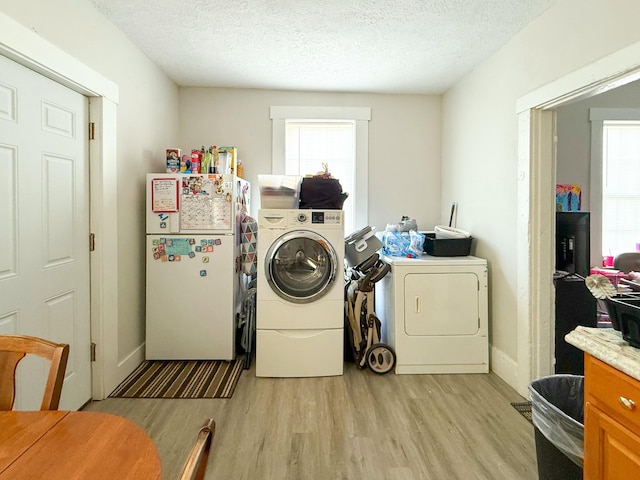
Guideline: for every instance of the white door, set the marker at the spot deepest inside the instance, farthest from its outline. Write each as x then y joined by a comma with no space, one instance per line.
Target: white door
44,227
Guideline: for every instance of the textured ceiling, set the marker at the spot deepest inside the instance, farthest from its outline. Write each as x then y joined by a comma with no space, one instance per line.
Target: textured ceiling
383,46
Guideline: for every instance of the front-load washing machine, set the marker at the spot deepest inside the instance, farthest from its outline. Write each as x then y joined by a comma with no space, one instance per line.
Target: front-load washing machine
300,293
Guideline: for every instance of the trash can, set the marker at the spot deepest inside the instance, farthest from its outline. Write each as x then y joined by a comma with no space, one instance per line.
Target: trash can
557,406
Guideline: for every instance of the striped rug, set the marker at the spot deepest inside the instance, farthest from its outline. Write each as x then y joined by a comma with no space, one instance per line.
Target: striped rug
181,379
524,408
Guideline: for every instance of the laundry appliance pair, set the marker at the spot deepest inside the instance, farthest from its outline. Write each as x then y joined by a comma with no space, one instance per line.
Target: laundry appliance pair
300,293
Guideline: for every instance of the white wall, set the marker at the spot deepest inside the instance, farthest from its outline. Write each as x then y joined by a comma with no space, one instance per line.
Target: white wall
574,135
481,133
147,115
574,142
404,142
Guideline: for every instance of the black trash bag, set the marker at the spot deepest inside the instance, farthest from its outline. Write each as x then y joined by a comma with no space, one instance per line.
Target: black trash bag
558,417
321,192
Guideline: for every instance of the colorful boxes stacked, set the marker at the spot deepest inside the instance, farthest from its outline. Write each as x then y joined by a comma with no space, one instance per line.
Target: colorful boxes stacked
219,160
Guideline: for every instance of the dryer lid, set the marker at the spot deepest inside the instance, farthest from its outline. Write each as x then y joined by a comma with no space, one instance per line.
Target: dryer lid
301,266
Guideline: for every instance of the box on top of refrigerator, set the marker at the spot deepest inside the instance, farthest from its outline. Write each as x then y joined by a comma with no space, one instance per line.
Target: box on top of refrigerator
173,156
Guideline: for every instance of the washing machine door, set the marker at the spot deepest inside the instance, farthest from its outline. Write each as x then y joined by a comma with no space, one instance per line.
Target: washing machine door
301,266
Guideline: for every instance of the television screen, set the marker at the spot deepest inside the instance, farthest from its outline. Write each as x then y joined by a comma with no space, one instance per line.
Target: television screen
572,242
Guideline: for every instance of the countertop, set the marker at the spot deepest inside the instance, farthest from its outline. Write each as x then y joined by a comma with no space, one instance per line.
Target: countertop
606,344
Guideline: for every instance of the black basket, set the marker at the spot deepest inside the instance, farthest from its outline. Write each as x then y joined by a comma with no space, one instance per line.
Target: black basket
624,313
446,247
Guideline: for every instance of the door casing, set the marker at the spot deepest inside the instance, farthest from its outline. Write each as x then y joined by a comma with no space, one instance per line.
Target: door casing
32,51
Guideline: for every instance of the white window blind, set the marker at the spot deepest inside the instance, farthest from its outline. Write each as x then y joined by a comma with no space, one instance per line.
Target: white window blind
310,144
620,187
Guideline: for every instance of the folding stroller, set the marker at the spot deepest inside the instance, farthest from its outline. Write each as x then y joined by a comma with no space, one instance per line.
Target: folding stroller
361,322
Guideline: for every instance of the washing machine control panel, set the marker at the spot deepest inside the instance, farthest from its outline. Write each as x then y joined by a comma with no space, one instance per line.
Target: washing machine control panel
316,217
327,217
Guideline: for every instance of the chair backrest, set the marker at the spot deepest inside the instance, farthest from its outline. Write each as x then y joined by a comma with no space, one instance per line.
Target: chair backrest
14,348
196,462
627,262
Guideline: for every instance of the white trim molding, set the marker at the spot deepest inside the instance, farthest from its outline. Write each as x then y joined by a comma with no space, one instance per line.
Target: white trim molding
607,73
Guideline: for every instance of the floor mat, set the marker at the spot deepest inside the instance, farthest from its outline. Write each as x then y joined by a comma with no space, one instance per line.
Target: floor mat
181,379
524,408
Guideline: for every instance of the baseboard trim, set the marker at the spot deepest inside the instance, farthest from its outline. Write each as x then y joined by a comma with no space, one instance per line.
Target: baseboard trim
126,366
506,368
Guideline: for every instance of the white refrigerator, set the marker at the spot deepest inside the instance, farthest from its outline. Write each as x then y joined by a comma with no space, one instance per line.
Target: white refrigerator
193,279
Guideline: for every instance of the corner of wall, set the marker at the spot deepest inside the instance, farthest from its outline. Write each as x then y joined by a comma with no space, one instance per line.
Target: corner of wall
506,368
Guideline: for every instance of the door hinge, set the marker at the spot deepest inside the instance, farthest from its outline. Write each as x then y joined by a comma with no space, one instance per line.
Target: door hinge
92,131
92,242
93,352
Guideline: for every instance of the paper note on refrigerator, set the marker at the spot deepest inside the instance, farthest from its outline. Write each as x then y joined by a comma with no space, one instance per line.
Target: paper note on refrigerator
164,195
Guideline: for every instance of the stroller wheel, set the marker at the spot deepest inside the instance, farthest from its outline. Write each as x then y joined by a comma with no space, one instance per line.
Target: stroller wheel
381,358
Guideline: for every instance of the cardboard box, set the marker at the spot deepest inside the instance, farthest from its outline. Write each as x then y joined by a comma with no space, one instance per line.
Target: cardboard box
233,161
173,156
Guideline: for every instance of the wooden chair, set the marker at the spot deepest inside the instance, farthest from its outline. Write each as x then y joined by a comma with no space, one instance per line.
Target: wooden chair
196,462
14,348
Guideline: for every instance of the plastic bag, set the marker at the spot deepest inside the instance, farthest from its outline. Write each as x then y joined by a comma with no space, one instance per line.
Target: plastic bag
403,244
557,403
406,224
322,192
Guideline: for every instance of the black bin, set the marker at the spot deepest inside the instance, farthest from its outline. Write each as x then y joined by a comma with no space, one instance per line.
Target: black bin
557,403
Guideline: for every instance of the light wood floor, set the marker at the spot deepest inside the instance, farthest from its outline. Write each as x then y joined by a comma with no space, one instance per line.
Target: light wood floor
357,426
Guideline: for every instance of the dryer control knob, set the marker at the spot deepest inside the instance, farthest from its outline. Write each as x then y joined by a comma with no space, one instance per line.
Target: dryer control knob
302,217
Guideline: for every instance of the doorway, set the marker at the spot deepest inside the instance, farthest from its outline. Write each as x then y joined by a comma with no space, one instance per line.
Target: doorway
45,224
536,193
29,49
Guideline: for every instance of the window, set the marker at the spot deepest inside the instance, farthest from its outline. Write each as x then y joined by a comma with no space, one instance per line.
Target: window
310,144
615,180
306,137
620,187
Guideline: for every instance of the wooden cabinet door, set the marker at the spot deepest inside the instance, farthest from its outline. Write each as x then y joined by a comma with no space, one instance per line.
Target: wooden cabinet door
612,452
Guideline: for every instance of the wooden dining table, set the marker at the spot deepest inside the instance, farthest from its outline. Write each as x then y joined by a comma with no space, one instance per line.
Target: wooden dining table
74,445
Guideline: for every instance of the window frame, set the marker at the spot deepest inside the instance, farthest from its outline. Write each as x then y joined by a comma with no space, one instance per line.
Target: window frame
360,115
597,117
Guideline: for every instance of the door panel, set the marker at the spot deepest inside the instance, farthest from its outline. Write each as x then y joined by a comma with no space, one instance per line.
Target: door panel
44,226
190,297
441,304
611,450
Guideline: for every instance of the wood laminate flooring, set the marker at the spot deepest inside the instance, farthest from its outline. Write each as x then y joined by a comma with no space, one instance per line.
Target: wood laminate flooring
357,426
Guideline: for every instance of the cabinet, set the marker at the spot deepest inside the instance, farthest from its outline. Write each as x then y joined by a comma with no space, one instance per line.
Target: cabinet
434,312
612,423
575,305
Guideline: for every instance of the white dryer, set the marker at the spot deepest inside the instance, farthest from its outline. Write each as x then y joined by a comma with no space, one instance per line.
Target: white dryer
300,293
434,313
